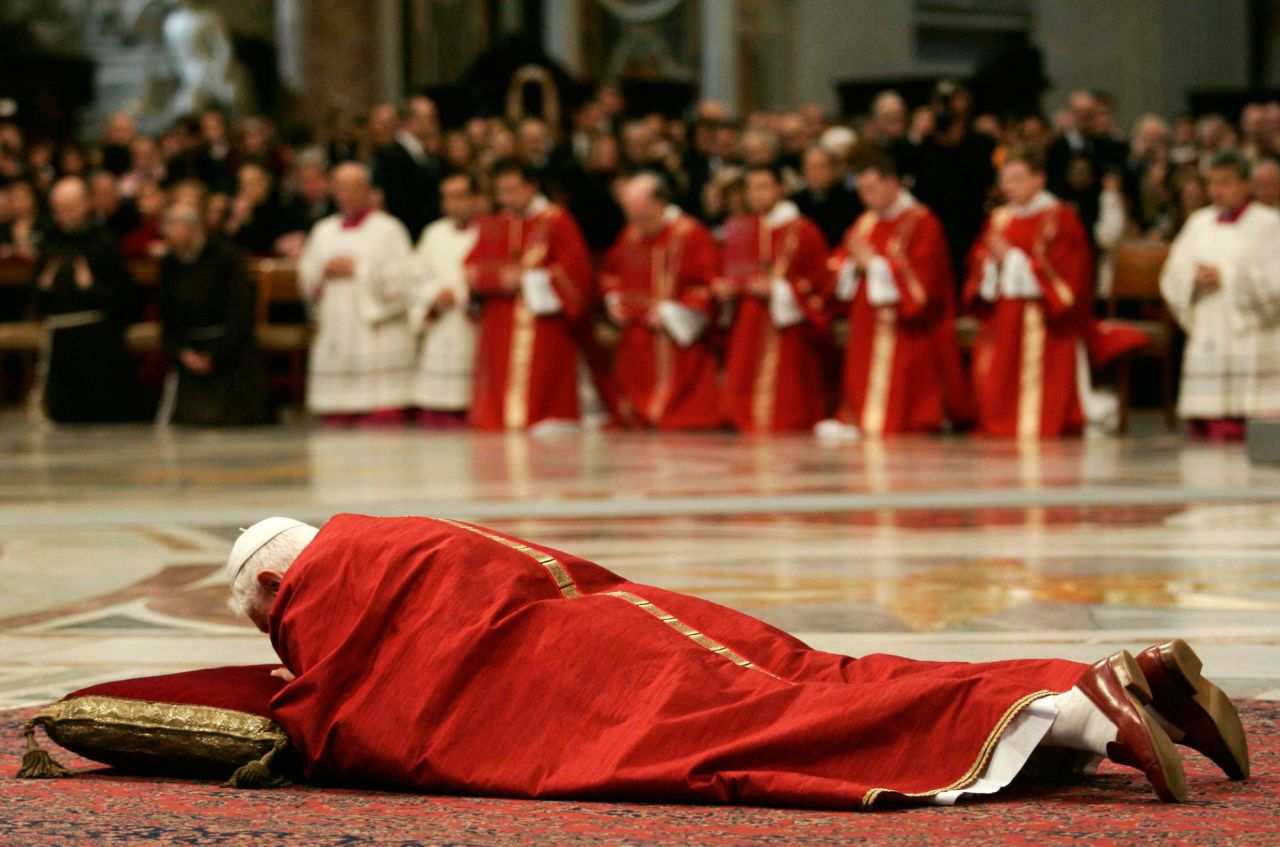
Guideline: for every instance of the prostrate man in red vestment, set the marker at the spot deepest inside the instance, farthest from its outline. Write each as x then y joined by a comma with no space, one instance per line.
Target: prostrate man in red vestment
1031,280
531,271
443,656
775,271
902,368
657,287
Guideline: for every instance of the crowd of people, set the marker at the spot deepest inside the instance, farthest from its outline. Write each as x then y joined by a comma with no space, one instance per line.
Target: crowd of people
779,272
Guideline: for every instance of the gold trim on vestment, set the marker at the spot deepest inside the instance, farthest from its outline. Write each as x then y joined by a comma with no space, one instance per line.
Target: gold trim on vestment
559,573
984,756
515,409
1031,373
663,358
883,343
569,589
764,392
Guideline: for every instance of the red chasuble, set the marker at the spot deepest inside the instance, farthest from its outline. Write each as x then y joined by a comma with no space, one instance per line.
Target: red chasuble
1025,358
526,364
773,375
902,367
660,382
448,658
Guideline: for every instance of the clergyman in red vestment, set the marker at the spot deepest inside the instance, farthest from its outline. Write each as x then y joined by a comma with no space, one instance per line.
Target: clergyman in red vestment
775,274
902,367
1031,282
446,657
531,272
657,288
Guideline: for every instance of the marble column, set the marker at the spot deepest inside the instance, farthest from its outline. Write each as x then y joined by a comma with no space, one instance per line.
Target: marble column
718,20
562,33
340,57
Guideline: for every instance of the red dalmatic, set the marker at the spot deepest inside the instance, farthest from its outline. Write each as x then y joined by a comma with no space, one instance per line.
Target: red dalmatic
664,381
1035,311
902,367
773,374
527,364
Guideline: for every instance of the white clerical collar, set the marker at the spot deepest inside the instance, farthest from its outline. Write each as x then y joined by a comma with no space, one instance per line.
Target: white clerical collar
408,141
536,206
782,214
904,203
1042,201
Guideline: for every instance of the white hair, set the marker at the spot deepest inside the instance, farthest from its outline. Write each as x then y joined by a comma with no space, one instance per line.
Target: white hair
248,596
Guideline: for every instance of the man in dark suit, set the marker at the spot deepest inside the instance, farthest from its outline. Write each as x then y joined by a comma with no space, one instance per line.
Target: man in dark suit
824,199
408,169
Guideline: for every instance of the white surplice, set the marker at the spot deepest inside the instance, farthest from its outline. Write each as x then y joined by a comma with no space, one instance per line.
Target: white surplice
362,355
446,342
1231,365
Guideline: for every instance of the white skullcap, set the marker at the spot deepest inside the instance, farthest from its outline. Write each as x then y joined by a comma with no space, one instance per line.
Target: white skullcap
253,539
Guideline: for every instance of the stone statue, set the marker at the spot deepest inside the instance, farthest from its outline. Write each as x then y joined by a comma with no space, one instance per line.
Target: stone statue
199,49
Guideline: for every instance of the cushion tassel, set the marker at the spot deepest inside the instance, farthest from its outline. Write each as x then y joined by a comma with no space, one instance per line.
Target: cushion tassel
257,774
36,763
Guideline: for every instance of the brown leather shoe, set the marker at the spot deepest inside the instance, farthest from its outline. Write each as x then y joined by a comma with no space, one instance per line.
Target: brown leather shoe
1117,687
1198,709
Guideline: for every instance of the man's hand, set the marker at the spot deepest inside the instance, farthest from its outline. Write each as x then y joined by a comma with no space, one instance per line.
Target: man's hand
723,289
1207,280
340,266
509,276
283,673
84,276
445,301
49,274
861,251
200,364
997,245
653,318
759,286
613,308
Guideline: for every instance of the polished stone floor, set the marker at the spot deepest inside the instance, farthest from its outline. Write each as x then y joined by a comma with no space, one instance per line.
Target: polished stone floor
112,539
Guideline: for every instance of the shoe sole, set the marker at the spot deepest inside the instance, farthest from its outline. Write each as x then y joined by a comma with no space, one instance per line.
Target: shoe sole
1184,669
1139,692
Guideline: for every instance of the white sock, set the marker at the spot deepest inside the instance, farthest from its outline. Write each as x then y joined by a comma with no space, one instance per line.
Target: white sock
1080,724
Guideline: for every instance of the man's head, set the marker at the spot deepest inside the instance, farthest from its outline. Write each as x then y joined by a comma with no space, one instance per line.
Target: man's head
1228,180
764,188
121,129
820,169
533,138
184,229
421,119
889,116
254,182
514,186
260,558
458,196
103,194
1021,177
352,188
311,175
644,199
1081,106
69,200
878,184
1266,182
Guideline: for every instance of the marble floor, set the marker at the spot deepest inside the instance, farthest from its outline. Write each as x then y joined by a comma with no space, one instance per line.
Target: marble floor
112,539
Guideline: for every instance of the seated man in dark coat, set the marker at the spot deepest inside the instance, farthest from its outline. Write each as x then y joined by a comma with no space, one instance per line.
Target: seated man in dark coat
207,313
824,199
84,296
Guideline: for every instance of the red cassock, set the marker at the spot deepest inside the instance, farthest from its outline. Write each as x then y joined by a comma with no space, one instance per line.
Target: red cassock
444,657
660,382
773,375
526,364
902,367
1025,357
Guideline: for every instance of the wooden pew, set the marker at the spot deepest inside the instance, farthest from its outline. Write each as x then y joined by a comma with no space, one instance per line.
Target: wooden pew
1136,280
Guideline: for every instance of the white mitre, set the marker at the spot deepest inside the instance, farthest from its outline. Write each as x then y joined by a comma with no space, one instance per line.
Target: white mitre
253,539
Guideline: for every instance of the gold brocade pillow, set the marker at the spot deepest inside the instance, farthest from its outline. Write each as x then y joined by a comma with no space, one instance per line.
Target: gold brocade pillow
206,723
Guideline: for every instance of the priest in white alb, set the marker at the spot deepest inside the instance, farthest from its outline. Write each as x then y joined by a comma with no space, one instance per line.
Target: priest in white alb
353,274
438,313
1222,283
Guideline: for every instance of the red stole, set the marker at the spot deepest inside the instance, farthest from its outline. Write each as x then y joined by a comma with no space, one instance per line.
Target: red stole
902,367
526,365
773,377
1025,359
661,383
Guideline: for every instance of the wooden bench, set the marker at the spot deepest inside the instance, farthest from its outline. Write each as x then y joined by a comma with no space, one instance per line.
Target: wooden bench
1136,281
276,281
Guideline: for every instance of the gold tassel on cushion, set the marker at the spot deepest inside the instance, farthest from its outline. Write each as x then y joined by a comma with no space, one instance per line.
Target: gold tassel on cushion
36,763
257,774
